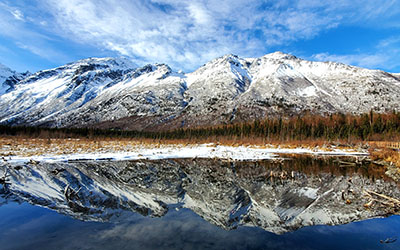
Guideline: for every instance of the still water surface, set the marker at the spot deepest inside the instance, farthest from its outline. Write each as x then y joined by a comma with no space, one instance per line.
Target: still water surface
193,204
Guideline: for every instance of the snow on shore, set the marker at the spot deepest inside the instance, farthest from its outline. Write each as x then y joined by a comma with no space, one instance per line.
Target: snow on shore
190,151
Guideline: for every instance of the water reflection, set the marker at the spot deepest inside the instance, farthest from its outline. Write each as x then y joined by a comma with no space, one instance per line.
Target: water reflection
277,196
32,227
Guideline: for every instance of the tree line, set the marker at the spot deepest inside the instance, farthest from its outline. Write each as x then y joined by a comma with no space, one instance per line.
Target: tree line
371,126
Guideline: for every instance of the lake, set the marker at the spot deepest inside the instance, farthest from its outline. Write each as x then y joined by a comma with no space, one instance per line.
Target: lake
294,202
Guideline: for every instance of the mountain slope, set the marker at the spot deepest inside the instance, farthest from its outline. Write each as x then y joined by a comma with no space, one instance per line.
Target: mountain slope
8,79
114,93
214,90
294,85
50,93
152,91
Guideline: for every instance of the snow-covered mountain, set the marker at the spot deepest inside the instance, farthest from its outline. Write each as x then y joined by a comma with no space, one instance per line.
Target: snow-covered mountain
50,93
115,93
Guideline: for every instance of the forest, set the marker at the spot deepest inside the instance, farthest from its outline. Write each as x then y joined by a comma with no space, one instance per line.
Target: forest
344,127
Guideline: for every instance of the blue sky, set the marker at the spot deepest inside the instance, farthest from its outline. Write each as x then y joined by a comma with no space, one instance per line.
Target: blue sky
40,34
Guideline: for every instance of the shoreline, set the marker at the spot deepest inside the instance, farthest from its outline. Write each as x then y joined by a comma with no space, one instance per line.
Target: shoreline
169,151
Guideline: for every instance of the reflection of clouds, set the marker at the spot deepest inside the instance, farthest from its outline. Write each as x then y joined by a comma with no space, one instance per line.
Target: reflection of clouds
39,228
370,226
188,231
357,235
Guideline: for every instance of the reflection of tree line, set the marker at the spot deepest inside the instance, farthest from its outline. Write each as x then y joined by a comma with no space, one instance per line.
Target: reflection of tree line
4,181
4,189
309,165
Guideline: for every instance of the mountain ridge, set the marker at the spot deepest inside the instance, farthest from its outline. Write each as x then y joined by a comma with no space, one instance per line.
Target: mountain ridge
116,93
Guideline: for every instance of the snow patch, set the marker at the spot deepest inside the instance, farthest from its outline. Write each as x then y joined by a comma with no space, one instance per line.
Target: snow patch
192,151
309,192
308,91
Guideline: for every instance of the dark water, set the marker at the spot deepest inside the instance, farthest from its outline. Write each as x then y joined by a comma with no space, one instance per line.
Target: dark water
24,226
87,205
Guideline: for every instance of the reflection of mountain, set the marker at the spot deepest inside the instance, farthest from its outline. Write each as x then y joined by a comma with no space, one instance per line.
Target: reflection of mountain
277,196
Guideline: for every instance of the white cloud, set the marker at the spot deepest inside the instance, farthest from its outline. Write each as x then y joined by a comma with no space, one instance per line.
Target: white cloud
179,33
199,14
186,34
18,15
384,56
15,12
362,60
47,53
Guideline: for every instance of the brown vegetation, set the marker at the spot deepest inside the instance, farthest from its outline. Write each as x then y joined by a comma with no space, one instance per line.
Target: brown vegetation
389,155
377,131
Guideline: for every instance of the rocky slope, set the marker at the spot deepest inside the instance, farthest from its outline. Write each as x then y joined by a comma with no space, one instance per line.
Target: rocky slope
114,93
276,196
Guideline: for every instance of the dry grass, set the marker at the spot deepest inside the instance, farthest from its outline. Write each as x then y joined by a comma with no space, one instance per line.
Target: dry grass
385,154
29,147
22,146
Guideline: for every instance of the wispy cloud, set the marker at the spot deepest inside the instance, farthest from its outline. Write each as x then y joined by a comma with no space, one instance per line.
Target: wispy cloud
15,12
47,53
186,34
26,31
18,15
384,56
362,60
190,33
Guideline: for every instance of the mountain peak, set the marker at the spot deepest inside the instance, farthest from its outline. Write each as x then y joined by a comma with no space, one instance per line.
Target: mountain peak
223,60
120,62
229,56
280,55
